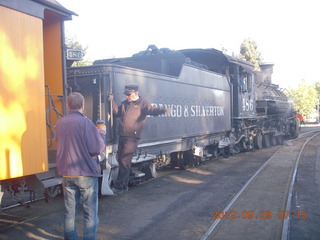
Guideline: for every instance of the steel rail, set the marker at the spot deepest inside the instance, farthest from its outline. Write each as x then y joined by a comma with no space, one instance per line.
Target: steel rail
286,223
230,204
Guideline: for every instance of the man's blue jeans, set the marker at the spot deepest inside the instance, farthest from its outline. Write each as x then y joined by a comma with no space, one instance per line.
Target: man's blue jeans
81,190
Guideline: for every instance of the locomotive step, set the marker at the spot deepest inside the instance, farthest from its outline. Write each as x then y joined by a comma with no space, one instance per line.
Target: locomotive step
138,174
50,178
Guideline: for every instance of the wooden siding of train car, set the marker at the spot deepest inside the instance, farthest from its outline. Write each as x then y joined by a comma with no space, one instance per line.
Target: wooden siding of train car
23,146
53,69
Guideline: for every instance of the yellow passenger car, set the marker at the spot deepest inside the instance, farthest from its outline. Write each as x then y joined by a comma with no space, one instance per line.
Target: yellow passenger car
32,63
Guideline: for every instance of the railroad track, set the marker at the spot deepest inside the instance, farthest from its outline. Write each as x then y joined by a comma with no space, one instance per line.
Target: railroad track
262,208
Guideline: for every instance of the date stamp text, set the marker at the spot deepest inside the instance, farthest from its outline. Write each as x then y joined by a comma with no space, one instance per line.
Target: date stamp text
258,214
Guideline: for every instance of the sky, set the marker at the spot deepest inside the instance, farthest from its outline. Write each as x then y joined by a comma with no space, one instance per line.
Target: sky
286,31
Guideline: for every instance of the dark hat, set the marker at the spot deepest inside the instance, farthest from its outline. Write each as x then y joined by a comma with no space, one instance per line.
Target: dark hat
130,89
99,122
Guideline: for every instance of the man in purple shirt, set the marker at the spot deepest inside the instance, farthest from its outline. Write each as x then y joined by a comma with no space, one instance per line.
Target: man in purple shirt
79,144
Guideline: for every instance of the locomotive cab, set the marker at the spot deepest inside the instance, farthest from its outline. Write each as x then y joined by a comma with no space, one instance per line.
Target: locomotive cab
242,78
244,104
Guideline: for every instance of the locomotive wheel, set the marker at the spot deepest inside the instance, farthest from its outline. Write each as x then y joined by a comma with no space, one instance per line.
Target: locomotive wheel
225,152
280,140
273,140
295,129
250,145
51,192
146,169
236,149
215,153
258,141
182,164
174,161
177,160
266,140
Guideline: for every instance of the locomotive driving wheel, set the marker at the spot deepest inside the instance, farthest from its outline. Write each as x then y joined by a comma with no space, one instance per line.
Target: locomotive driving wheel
280,140
258,141
266,140
273,140
295,128
226,151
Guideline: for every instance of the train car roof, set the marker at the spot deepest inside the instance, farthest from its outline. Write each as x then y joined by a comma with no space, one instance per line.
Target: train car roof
55,5
244,64
36,7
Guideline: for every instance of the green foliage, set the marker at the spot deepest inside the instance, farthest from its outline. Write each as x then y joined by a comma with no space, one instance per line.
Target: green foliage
317,87
249,52
82,63
305,98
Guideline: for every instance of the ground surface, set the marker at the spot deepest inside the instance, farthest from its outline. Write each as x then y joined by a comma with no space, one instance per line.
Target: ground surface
179,204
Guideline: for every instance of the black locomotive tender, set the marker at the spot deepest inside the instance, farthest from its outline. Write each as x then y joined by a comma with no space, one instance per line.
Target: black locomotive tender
218,106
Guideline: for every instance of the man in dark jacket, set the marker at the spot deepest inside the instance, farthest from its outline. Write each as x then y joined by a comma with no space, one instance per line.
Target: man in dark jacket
133,113
79,144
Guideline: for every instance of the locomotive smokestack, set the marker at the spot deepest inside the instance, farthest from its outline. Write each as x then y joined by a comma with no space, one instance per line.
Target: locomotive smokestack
266,70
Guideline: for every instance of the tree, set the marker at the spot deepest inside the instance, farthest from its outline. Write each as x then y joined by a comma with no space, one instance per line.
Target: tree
317,87
249,52
305,98
72,43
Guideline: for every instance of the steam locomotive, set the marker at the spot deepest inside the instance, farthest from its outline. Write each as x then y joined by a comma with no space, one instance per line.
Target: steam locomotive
218,106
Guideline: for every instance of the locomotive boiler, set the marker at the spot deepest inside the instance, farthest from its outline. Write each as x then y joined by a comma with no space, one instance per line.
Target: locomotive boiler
218,105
